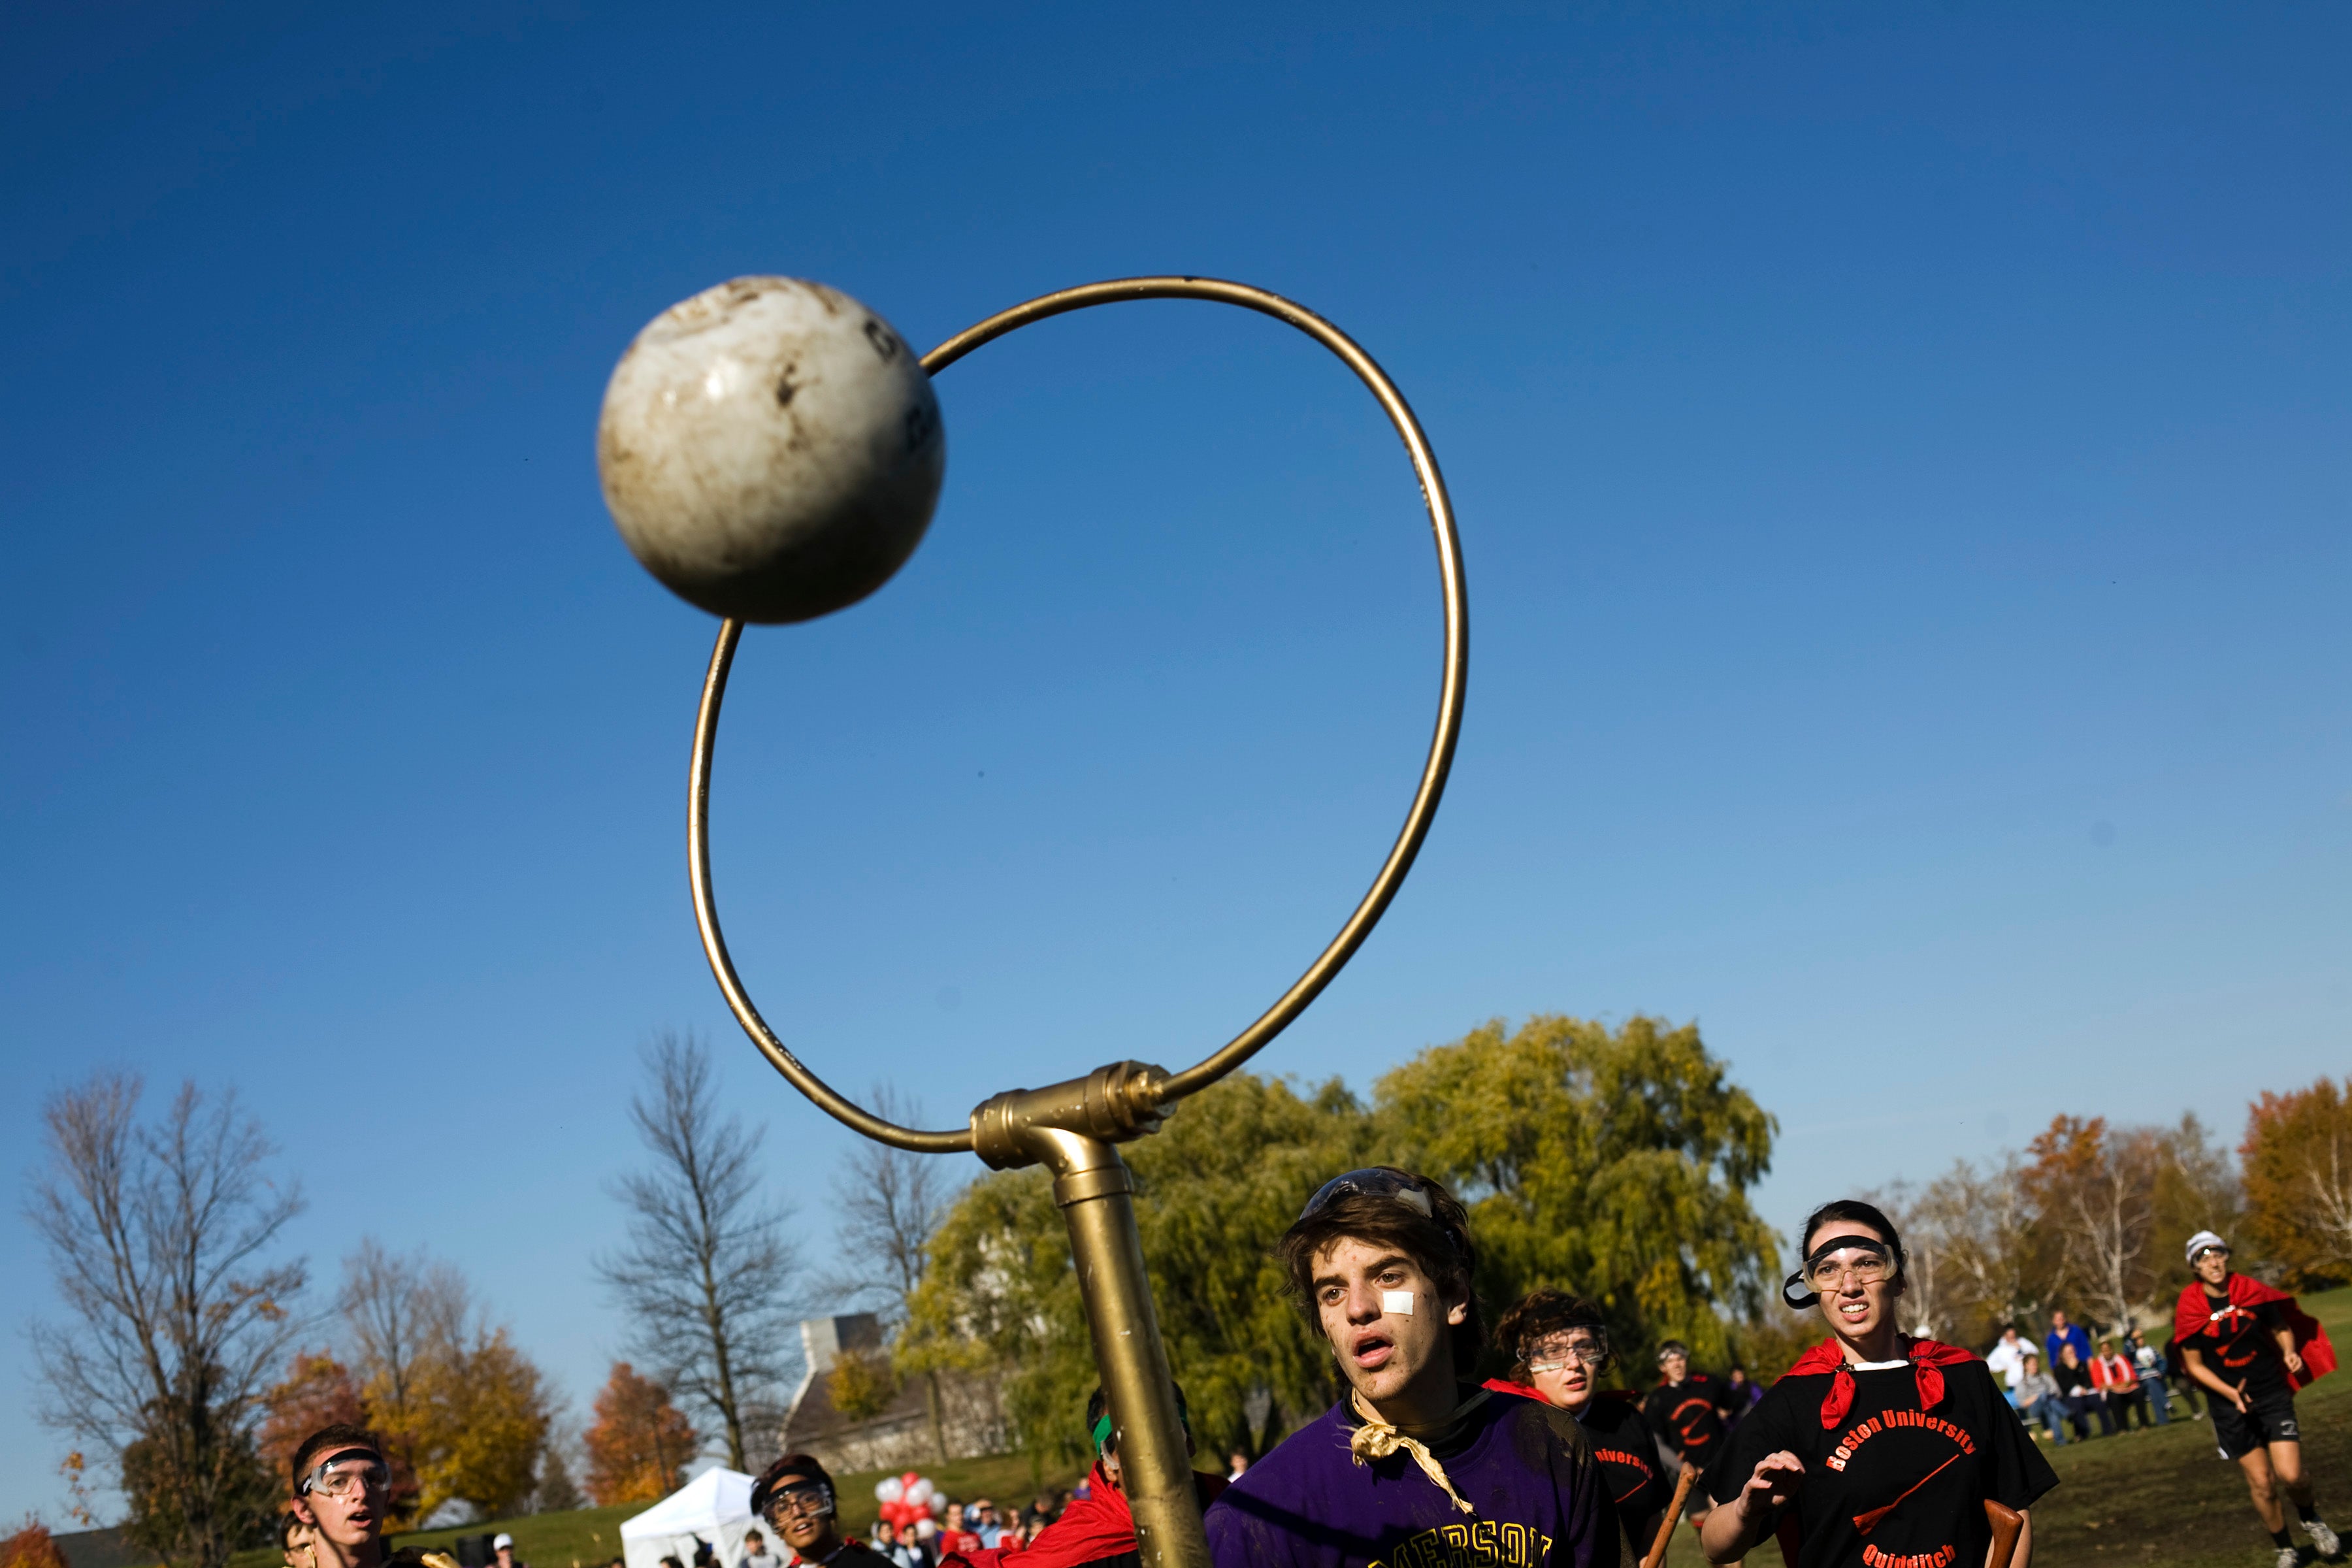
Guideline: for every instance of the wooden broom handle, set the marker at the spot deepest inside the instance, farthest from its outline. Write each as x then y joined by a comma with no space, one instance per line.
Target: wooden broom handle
1657,1552
2007,1524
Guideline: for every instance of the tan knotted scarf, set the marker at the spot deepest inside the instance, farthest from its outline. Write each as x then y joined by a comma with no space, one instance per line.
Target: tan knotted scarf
1377,1439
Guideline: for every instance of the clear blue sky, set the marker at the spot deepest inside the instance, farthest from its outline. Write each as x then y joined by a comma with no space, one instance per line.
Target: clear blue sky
1902,457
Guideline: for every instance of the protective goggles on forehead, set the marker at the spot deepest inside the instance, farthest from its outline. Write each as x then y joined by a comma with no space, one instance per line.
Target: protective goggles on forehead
1381,1182
1863,1258
345,1473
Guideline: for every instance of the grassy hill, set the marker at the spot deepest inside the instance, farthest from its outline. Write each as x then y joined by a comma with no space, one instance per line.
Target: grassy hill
589,1537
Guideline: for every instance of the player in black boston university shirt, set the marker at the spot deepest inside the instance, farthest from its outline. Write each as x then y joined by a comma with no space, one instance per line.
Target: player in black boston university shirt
2253,1347
1559,1348
1885,1446
1688,1411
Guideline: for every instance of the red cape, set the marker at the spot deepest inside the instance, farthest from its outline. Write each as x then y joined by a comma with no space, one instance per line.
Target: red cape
1092,1528
2190,1316
1924,1356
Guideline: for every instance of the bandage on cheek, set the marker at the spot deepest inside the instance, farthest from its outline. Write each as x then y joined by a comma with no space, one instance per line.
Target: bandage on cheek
1397,1301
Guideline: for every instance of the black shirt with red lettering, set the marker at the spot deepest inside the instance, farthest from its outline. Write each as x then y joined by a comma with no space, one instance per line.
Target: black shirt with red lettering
1629,1465
2239,1344
1689,1416
1891,1486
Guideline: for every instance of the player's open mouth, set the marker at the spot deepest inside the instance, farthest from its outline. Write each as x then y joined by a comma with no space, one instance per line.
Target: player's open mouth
1372,1350
1854,1311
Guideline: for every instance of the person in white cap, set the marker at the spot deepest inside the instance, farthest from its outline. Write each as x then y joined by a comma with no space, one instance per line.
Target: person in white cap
2253,1347
503,1545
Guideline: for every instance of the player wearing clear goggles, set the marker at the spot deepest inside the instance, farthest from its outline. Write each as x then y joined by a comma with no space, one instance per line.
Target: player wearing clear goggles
342,1486
1875,1447
795,1496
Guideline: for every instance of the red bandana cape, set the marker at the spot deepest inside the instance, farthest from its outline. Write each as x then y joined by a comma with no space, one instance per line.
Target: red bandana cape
1924,1356
2310,1340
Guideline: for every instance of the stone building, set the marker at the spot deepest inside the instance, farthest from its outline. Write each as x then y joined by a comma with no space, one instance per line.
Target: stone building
971,1418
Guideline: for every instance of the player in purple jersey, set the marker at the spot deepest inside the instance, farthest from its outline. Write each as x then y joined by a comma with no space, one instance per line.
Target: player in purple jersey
1414,1468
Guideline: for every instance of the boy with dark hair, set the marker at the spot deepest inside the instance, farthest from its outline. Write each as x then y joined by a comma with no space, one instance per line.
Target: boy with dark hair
1415,1463
795,1496
2253,1347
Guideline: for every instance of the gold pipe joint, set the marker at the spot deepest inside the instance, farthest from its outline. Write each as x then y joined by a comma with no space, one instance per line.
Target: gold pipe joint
1113,1104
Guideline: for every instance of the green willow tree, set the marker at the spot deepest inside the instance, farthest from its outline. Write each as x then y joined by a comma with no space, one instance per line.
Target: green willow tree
1614,1164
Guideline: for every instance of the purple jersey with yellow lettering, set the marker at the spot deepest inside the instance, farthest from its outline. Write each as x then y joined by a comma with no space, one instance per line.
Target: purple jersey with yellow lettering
1537,1497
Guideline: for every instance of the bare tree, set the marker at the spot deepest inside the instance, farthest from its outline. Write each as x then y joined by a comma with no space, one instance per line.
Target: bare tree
1927,1272
401,1309
889,1202
2096,1190
158,1236
1982,1230
708,1278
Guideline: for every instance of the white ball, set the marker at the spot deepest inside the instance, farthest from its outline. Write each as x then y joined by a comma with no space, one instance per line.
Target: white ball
770,450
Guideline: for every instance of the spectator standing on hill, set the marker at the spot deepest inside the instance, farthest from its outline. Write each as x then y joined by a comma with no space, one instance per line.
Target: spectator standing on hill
502,1552
953,1535
2117,1381
1415,1462
2006,1360
891,1550
2039,1399
2148,1363
2061,1334
2253,1347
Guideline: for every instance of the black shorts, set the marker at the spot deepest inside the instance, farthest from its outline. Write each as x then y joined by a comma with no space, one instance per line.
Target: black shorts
2268,1418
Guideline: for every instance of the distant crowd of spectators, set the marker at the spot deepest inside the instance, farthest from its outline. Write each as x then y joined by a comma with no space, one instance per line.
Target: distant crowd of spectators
2068,1384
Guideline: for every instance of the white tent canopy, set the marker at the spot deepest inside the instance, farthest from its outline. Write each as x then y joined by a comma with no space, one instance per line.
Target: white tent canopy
715,1507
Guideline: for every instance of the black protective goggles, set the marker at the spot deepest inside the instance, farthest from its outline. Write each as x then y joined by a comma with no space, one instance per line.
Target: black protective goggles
1382,1181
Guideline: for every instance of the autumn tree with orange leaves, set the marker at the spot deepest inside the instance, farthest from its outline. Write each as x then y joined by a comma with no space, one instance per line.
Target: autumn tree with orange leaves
2298,1161
318,1392
30,1545
639,1445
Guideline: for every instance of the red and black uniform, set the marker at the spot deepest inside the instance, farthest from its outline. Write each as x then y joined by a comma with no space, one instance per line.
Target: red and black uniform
1638,1485
1900,1460
1689,1416
2235,1331
1096,1530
